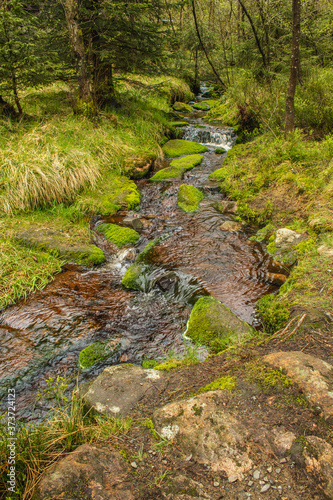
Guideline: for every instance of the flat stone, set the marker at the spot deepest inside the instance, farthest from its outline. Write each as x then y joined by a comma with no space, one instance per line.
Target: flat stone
89,472
286,238
319,461
201,426
119,388
132,222
227,206
282,440
256,474
325,251
230,225
233,479
313,375
265,488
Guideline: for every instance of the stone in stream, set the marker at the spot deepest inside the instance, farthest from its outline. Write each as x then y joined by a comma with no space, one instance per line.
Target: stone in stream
137,166
313,375
201,426
187,162
230,225
189,198
211,323
226,206
120,236
117,390
132,222
90,473
181,106
282,244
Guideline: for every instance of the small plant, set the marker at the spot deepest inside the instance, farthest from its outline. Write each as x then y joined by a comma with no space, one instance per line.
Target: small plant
273,313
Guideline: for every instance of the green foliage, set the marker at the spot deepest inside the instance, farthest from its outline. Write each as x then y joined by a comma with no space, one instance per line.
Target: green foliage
187,162
179,147
225,383
189,198
168,173
149,363
24,270
272,312
96,353
120,236
220,151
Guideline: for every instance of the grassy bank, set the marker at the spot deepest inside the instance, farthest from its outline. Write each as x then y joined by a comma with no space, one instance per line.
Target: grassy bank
60,168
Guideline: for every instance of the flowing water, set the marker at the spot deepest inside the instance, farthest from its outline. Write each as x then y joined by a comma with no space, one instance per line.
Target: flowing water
43,336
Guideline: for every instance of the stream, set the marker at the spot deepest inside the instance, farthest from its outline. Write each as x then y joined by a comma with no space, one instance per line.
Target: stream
43,336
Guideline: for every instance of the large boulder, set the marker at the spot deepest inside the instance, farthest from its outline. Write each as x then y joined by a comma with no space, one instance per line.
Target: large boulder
89,473
314,376
118,389
211,323
202,427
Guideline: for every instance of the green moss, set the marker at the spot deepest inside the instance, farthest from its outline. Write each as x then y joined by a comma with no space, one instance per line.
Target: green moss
149,363
178,124
168,173
171,364
211,323
96,353
189,198
272,312
202,106
197,125
110,195
181,106
120,236
219,175
149,424
268,378
271,247
220,151
225,383
187,162
147,251
87,256
132,278
263,233
179,147
197,410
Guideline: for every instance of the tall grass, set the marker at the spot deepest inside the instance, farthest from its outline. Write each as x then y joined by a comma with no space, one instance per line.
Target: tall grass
39,447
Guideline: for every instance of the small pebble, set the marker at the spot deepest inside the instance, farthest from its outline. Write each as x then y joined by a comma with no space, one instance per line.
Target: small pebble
250,483
256,474
269,469
283,461
265,488
278,470
266,479
232,479
187,459
150,451
261,482
164,461
279,489
133,464
216,484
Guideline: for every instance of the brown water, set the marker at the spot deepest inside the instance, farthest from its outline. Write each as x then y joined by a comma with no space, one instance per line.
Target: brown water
43,336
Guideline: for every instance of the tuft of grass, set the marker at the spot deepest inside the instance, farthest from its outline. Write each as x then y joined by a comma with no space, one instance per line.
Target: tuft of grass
39,446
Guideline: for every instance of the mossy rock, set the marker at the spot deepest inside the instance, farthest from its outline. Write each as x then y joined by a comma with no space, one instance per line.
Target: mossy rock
202,106
110,195
219,175
180,147
132,279
189,198
181,106
220,151
168,173
197,125
134,276
211,323
61,244
120,236
97,352
137,166
187,162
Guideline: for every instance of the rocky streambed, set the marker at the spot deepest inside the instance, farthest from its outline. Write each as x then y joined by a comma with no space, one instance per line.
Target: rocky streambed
202,252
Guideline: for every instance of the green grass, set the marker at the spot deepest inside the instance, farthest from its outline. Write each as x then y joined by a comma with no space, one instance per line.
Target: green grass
179,147
189,198
225,383
39,446
187,162
120,236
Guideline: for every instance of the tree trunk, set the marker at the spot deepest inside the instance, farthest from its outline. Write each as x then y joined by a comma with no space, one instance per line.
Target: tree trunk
71,9
256,37
294,68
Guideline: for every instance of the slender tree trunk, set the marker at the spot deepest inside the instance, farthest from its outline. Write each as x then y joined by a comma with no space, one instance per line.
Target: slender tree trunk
294,68
203,47
71,9
16,97
262,53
